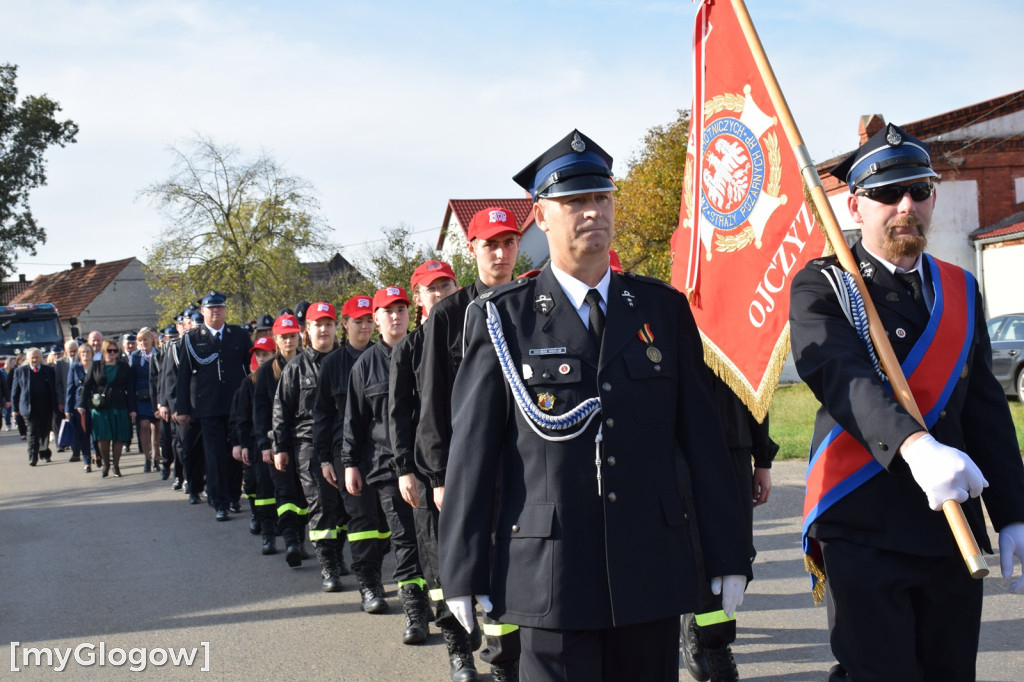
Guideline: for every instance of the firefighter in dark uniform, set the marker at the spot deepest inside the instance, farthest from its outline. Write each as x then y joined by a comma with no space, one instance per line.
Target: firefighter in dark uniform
582,421
189,462
214,360
374,479
431,282
902,604
293,438
290,503
156,378
259,485
494,244
329,407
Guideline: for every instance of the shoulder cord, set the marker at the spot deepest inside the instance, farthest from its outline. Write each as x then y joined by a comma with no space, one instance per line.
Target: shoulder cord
852,304
192,352
584,412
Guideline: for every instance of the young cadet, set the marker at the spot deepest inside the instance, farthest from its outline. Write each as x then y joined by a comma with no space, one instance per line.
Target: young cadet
494,244
373,478
329,408
582,422
290,501
258,485
431,282
293,438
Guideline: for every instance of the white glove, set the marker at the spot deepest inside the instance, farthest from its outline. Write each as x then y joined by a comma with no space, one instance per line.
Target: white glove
462,609
731,589
1011,544
944,473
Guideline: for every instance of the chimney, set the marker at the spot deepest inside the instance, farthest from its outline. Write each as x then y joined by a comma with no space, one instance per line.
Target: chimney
869,125
89,263
76,265
21,278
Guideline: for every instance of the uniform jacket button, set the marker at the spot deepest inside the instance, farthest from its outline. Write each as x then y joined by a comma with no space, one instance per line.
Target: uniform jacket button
612,497
942,414
609,422
883,447
606,386
611,461
515,528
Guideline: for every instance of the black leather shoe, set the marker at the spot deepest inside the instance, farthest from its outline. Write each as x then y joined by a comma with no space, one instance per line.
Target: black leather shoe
695,661
178,484
194,499
235,507
222,515
75,458
165,474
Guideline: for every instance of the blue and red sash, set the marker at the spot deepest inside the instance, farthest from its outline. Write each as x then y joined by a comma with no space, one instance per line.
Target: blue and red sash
841,464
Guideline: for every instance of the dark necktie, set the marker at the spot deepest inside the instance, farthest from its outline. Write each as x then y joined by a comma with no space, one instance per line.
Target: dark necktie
593,298
912,280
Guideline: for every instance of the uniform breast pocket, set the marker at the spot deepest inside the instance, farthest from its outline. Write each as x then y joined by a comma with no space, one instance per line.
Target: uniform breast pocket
307,393
377,399
554,382
653,383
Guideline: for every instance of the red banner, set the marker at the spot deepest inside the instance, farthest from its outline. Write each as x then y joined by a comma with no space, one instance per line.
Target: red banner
744,227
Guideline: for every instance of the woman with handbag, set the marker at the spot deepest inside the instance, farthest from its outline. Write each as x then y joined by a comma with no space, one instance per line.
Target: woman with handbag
108,390
79,370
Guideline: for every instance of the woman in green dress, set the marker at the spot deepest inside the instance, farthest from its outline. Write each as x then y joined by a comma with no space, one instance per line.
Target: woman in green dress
109,392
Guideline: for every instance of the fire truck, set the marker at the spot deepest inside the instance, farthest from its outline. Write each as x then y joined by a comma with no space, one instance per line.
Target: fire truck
29,325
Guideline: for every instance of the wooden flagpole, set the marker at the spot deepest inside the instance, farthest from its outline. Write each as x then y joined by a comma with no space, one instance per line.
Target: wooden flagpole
954,513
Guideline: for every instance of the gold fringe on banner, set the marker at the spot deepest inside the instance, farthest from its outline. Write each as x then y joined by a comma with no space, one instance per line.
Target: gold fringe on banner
819,586
759,399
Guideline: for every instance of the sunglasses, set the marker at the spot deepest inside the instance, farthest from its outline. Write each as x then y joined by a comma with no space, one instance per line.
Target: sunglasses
112,351
891,194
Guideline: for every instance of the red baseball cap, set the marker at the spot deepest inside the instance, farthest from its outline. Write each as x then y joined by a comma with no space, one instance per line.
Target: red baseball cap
357,306
491,222
286,324
614,262
388,295
320,310
431,271
264,343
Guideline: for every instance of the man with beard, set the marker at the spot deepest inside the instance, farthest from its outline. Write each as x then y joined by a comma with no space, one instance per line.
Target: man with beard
901,603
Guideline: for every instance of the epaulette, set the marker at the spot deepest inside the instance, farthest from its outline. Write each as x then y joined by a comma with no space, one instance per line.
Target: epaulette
823,262
502,289
648,280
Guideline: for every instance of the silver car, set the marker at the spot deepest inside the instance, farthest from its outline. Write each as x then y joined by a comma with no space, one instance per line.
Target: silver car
1007,333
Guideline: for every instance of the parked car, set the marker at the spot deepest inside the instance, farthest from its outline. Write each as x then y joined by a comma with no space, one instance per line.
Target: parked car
1007,333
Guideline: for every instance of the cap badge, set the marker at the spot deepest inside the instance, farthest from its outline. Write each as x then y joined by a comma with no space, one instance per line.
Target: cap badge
893,137
393,291
545,401
577,144
363,303
433,265
323,307
287,323
497,217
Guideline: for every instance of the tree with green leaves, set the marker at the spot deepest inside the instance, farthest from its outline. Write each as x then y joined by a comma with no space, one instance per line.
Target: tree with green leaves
26,130
648,198
237,225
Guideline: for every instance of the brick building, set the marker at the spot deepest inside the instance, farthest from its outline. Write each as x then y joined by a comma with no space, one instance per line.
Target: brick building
110,297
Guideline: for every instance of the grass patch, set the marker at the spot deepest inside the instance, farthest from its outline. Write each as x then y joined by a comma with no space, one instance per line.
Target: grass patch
792,420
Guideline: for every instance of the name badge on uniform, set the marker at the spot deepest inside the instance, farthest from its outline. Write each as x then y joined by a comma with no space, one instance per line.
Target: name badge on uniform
548,351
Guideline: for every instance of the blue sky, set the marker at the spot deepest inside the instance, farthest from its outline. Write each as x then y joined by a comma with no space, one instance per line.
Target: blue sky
391,108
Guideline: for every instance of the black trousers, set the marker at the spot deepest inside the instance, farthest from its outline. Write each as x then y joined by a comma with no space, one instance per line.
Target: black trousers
193,459
290,500
322,499
219,474
37,431
381,506
895,616
645,651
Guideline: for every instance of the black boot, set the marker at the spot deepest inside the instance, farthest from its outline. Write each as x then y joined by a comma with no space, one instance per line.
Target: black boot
460,655
506,672
327,555
342,566
694,658
254,521
371,592
414,603
293,546
269,529
721,664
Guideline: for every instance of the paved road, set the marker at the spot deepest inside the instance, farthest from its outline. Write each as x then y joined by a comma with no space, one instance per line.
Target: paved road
128,563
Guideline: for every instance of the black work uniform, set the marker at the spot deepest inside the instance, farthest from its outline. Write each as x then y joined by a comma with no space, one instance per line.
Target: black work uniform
293,434
167,387
367,446
257,485
289,498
